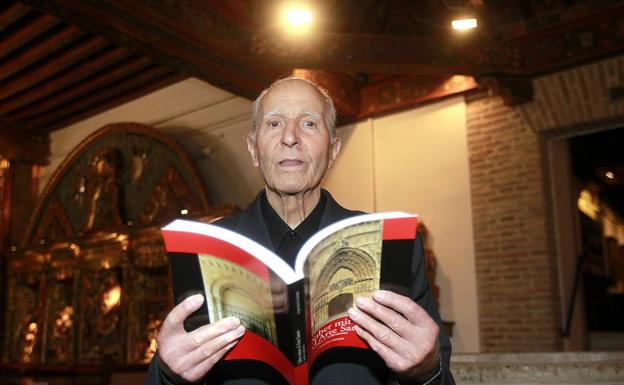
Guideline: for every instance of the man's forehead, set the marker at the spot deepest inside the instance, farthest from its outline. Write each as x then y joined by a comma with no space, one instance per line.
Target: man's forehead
278,111
295,91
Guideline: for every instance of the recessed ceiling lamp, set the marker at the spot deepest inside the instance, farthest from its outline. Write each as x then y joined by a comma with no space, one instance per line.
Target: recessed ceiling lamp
464,24
609,175
297,18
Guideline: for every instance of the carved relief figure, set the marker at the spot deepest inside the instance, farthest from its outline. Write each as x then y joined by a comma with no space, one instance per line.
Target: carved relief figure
152,327
28,340
62,333
101,327
104,198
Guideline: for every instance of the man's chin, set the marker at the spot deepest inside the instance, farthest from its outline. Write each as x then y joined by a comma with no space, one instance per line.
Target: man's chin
292,190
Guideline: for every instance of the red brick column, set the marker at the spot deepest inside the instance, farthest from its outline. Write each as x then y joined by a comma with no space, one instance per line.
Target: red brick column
515,259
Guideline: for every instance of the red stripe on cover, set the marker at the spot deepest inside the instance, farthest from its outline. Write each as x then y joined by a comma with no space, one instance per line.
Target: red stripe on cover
399,228
184,242
301,374
254,347
338,332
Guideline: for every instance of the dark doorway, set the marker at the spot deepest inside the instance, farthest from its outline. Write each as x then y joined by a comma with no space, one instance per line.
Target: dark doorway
598,166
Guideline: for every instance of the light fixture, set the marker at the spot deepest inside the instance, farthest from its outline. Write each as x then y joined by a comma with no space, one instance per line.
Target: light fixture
610,175
296,18
184,211
464,24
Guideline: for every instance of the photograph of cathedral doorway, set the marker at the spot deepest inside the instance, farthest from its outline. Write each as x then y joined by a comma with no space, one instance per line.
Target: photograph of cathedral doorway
348,273
233,291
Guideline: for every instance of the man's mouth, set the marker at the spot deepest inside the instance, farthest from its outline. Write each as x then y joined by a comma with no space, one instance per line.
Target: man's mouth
290,162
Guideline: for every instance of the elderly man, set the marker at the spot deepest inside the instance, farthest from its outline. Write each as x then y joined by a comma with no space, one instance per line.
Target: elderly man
293,143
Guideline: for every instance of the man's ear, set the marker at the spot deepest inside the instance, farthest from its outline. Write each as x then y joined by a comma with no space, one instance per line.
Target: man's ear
334,151
251,147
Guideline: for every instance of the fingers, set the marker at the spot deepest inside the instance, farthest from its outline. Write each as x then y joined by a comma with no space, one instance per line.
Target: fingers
277,286
399,330
174,322
280,304
385,352
203,347
211,332
381,333
191,355
393,320
198,371
402,304
213,341
279,293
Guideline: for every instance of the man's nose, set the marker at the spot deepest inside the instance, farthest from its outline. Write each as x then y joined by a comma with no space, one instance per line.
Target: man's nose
290,135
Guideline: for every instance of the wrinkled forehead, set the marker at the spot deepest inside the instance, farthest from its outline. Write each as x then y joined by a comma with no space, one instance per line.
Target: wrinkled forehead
295,96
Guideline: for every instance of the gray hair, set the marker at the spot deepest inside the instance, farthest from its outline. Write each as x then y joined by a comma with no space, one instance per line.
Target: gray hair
330,109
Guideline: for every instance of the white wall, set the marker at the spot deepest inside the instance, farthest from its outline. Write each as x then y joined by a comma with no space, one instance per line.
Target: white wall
417,161
414,161
209,122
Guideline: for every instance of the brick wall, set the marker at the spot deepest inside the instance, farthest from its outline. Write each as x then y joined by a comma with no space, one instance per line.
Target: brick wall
515,260
516,263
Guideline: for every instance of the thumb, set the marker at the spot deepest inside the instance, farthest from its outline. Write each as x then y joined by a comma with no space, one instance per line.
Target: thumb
174,322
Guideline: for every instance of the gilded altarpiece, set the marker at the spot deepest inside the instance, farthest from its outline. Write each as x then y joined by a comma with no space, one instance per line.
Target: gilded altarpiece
90,283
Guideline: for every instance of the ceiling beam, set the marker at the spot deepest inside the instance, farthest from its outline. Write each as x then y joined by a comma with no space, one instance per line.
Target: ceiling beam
85,69
40,50
192,37
11,14
77,94
403,92
207,35
143,84
51,67
26,33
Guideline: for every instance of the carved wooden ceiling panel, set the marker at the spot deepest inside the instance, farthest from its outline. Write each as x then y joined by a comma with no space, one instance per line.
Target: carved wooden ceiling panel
61,61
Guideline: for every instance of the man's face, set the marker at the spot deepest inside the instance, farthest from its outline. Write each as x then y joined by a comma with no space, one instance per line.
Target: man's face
292,146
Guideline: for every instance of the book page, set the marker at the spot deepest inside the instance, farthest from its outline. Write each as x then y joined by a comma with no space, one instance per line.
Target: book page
233,291
343,266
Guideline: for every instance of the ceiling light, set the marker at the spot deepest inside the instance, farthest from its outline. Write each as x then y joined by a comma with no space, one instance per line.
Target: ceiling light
464,24
609,175
184,211
298,16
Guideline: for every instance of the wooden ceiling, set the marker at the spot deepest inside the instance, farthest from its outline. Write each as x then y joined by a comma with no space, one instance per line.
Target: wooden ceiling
64,60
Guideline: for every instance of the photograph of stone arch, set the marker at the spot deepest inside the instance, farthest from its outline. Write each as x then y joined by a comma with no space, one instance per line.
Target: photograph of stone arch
233,291
342,267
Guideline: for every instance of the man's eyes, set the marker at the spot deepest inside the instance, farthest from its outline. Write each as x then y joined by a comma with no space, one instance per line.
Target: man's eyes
279,123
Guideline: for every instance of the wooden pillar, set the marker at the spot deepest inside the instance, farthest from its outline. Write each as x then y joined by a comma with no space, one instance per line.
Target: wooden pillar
6,182
18,195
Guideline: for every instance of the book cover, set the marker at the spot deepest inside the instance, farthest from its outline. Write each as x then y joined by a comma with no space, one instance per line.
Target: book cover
291,316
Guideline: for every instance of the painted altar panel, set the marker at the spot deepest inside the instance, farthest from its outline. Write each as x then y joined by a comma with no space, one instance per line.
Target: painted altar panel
90,284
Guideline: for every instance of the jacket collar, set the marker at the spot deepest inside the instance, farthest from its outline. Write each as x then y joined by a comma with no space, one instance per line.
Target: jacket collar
252,223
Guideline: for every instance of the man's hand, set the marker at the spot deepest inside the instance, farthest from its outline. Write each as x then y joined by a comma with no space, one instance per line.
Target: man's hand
279,296
401,332
191,355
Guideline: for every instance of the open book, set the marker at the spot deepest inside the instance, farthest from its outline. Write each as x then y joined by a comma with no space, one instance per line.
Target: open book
290,316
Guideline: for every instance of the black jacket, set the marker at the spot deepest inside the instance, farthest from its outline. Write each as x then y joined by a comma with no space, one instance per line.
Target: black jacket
338,366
